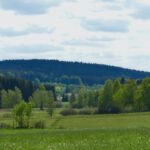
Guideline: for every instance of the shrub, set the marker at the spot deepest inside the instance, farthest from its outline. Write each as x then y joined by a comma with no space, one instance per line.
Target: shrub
95,111
21,114
40,124
61,127
128,109
76,105
7,115
68,111
4,125
58,105
87,111
50,111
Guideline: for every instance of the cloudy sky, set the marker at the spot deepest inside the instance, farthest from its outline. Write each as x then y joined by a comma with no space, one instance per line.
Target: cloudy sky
115,32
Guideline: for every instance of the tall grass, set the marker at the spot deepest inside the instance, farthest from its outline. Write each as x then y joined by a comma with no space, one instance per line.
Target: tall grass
101,139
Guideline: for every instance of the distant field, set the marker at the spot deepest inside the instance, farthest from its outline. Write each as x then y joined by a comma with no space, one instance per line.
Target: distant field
99,132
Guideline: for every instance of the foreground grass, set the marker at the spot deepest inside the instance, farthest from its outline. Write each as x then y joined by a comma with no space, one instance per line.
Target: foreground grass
99,139
98,132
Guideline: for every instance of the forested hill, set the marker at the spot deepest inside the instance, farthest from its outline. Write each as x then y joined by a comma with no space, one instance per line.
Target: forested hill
66,72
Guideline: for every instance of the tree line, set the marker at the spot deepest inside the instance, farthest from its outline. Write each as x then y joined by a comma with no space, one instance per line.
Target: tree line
116,96
11,85
40,98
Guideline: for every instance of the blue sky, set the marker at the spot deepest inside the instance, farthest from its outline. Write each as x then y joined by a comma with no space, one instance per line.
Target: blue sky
114,32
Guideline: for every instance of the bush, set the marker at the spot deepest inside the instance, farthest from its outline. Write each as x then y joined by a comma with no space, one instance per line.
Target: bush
76,105
50,111
40,124
68,111
7,115
96,112
58,105
87,111
4,126
128,109
22,114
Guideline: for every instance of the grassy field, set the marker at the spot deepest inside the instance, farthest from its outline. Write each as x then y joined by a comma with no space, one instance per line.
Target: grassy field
98,132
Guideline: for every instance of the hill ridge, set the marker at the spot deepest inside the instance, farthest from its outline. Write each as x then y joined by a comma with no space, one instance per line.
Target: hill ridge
64,71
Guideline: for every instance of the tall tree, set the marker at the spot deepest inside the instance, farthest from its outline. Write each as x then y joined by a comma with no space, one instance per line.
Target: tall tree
11,97
106,100
145,91
41,98
129,92
139,105
116,86
124,97
50,103
82,98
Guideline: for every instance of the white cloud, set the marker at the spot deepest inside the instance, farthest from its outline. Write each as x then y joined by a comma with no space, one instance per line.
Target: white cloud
28,6
114,32
105,25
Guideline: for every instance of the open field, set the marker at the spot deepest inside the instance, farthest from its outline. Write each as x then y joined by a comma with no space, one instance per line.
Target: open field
98,132
105,139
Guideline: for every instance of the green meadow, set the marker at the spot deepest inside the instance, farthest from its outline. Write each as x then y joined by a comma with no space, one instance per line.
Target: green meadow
89,132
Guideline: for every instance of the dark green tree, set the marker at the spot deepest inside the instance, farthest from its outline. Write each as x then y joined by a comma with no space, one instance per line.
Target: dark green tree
106,98
116,86
50,103
145,92
124,97
139,105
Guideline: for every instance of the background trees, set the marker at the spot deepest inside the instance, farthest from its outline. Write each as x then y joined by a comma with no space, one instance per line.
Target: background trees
106,98
43,99
50,106
114,96
26,87
66,72
10,98
84,98
128,96
145,92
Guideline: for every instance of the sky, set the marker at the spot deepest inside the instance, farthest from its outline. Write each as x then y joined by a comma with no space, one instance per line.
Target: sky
113,32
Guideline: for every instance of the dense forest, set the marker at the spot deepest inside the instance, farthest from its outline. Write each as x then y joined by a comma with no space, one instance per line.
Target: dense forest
54,71
27,87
